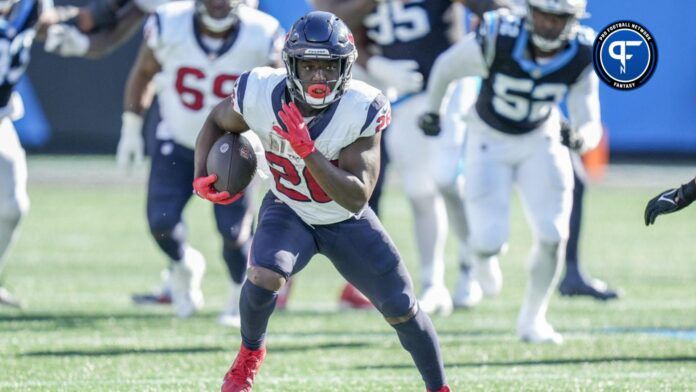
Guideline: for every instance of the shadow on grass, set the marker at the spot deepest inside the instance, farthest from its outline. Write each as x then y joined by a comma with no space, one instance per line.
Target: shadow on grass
116,351
61,320
283,348
546,362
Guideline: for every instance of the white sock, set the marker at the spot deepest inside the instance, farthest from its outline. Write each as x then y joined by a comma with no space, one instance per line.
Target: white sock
430,220
545,267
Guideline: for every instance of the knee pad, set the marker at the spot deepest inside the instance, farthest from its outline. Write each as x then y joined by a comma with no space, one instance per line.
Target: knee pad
487,245
397,305
265,278
13,209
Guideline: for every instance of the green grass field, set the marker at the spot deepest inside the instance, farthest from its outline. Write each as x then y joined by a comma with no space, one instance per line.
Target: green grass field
85,247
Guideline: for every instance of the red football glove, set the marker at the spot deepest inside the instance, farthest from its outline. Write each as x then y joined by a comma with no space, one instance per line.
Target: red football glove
298,133
203,186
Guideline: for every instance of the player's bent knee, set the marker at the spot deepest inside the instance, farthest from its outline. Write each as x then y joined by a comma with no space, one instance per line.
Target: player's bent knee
552,234
161,223
13,210
487,247
397,306
409,314
265,278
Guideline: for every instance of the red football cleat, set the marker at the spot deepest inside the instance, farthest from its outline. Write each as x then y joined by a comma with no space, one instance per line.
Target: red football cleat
444,388
241,375
352,298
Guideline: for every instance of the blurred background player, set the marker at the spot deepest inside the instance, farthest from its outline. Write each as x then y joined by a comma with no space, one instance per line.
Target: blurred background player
93,31
400,41
669,201
18,19
97,28
528,64
193,51
576,282
322,129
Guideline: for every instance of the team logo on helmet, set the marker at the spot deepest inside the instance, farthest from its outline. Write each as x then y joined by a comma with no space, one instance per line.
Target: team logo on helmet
625,55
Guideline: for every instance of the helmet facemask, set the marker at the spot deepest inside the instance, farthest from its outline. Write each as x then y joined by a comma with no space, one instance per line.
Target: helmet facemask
322,94
218,23
571,10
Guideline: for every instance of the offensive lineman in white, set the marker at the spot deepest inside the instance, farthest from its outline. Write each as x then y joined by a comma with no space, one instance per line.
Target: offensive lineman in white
528,65
194,52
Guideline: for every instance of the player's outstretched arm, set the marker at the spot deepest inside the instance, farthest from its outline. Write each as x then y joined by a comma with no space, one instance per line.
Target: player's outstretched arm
105,41
137,97
669,201
100,27
462,59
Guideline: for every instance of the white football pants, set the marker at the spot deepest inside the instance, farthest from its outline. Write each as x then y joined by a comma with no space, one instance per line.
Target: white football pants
14,201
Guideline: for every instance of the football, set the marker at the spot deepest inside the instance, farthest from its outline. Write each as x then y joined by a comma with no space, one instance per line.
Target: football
233,160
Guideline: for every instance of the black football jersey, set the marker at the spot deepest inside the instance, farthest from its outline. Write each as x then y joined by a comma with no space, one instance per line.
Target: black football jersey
519,93
411,30
16,36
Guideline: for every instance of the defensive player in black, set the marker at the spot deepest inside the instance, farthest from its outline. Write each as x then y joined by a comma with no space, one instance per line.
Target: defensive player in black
669,201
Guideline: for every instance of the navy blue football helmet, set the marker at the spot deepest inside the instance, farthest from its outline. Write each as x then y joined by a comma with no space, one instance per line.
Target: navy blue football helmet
319,36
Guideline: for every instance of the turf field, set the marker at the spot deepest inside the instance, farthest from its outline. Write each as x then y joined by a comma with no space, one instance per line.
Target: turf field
85,247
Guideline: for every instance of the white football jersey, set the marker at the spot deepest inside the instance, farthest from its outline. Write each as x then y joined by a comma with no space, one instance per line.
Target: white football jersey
362,111
195,78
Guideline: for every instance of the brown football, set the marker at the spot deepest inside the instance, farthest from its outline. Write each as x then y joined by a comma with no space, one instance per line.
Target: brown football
233,159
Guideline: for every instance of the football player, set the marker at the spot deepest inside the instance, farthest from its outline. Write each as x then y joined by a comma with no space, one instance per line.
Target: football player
321,132
669,201
403,40
17,22
97,28
575,282
528,64
193,51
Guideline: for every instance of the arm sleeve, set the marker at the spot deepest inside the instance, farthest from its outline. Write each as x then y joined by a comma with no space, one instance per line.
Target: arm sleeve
378,117
583,109
152,32
104,12
464,58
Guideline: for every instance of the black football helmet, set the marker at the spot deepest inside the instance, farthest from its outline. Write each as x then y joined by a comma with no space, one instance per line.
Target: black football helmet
319,36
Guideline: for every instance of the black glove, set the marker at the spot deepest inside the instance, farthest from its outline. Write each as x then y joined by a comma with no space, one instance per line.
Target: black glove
429,123
570,138
670,201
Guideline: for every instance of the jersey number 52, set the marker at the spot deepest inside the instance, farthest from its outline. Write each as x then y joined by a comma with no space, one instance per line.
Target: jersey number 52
511,98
